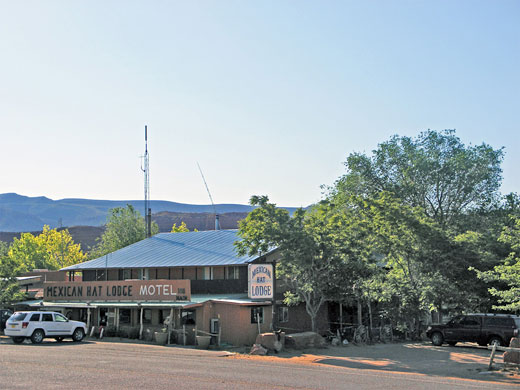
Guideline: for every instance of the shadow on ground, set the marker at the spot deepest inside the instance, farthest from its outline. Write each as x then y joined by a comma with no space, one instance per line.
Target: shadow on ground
463,361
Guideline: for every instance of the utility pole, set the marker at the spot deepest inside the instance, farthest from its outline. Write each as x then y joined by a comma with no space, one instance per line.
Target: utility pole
145,167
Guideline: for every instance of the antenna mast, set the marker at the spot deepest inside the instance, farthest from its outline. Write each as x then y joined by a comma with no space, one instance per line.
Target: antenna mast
146,170
217,222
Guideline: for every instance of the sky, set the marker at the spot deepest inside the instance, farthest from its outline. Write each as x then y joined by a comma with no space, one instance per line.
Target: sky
269,97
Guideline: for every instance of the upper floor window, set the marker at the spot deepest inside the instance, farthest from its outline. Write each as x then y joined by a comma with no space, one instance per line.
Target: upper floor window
143,274
125,274
207,273
232,272
283,314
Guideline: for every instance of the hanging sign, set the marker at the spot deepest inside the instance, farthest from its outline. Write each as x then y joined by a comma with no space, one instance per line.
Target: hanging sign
260,281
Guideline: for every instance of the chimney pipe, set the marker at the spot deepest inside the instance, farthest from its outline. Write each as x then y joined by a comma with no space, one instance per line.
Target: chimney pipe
217,222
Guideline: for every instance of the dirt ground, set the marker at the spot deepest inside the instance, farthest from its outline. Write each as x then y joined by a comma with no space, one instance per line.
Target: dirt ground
464,361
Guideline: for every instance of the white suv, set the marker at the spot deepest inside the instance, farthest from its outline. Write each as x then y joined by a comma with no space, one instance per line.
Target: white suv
38,325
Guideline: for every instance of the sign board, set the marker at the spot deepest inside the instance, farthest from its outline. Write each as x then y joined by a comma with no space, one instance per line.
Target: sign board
118,290
260,281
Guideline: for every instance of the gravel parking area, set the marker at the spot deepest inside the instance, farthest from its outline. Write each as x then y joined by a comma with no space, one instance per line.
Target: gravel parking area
464,363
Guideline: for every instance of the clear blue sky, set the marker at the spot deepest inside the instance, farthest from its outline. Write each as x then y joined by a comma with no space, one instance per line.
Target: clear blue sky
268,96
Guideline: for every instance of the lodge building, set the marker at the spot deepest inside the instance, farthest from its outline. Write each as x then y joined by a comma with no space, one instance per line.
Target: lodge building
195,280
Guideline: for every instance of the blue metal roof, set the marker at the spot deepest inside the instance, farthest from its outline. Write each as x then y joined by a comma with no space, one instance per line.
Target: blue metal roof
207,248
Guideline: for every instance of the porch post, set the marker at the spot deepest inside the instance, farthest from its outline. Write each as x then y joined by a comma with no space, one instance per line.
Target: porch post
170,323
88,318
141,325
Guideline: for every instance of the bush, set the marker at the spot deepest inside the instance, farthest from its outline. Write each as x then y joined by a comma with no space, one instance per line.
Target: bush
110,331
133,333
123,333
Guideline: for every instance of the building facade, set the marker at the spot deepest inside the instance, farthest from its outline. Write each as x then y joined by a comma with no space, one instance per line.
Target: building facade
191,283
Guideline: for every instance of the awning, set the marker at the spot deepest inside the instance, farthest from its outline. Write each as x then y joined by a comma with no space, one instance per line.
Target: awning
196,301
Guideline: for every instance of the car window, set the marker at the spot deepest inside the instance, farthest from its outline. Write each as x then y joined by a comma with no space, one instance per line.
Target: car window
517,322
35,317
18,316
59,318
456,320
47,317
499,321
470,321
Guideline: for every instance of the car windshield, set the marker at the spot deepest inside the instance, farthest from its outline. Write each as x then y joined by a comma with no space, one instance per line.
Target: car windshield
18,316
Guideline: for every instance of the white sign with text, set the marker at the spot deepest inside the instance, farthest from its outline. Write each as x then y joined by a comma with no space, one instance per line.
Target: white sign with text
260,281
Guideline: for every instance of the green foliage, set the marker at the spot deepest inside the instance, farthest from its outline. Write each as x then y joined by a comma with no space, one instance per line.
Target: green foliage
321,252
52,250
434,171
124,227
9,270
507,274
182,228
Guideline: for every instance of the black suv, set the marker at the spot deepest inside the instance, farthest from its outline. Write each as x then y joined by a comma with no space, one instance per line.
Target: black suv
4,315
479,328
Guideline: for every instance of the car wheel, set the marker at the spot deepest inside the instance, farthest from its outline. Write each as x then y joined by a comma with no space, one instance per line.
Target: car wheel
78,334
59,339
452,343
495,340
37,336
18,340
437,339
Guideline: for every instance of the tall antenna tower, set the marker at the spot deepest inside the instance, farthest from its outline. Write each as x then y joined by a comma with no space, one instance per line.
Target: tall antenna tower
145,167
217,222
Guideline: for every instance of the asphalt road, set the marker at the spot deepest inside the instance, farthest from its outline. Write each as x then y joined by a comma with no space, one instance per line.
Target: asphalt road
108,365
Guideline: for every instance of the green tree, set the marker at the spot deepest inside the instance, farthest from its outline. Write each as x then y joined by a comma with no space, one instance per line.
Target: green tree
434,171
124,227
316,260
182,228
52,249
506,276
9,270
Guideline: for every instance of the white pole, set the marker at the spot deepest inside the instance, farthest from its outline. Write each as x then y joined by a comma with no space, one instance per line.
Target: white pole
170,323
141,325
88,318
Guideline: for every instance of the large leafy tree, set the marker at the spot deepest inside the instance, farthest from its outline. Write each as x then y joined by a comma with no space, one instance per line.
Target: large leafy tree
52,249
124,227
9,270
506,276
434,171
320,251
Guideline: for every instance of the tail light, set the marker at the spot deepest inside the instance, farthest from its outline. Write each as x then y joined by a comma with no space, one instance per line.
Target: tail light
24,325
516,332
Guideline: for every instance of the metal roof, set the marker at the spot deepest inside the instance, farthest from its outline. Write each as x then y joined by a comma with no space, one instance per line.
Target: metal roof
206,248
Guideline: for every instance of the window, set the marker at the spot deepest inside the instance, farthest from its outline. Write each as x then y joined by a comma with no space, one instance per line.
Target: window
35,318
207,273
257,315
147,316
60,318
188,317
232,272
499,321
47,317
214,325
470,321
100,274
144,274
163,315
18,316
283,314
124,316
125,274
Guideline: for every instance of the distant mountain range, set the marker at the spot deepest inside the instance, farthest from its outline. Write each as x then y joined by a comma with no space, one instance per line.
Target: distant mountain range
20,213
